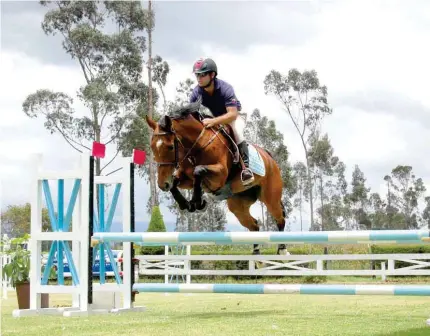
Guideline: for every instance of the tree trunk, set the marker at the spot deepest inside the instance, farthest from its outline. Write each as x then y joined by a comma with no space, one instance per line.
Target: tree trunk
311,200
262,217
322,203
152,177
301,210
97,134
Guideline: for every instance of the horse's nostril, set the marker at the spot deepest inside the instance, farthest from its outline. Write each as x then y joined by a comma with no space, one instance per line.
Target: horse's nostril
166,185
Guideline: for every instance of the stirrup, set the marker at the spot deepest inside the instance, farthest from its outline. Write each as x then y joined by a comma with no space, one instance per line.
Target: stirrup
248,181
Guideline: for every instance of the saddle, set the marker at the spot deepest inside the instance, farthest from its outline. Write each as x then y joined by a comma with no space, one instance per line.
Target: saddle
226,191
229,135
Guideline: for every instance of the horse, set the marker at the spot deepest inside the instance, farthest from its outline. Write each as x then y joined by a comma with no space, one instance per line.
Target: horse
190,156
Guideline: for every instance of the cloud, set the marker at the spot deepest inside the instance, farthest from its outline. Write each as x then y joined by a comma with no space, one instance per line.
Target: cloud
395,104
181,27
376,76
22,32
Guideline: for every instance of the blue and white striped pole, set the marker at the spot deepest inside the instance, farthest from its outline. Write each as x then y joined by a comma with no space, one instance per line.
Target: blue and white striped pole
396,290
223,238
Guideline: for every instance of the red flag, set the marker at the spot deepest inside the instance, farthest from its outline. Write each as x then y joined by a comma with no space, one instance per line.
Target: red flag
139,156
99,149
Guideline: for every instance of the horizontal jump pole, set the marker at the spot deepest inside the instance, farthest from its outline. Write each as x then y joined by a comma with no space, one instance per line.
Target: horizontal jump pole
396,290
246,237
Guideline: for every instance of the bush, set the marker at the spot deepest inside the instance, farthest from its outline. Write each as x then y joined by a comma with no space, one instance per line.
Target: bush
399,249
155,225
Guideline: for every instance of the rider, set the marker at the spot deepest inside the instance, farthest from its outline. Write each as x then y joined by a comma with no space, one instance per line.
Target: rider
219,97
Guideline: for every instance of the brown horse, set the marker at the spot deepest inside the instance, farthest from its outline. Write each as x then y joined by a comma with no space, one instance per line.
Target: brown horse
190,156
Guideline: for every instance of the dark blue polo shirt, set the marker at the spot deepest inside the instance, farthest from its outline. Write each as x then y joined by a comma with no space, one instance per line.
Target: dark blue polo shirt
222,97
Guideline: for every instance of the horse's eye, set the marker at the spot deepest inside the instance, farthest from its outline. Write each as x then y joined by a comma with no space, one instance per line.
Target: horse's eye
170,147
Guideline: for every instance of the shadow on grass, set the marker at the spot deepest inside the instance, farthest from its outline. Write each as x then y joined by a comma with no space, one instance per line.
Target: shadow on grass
234,314
425,331
223,313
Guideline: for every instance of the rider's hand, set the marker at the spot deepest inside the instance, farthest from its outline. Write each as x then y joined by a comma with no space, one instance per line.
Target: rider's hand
208,122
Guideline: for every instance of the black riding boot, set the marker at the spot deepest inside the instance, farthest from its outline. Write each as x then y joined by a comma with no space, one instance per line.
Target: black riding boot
247,175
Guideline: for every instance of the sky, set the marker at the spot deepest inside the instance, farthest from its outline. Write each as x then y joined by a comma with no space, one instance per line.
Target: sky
371,55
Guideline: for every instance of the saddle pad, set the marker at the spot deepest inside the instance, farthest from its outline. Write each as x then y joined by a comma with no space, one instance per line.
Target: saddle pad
256,163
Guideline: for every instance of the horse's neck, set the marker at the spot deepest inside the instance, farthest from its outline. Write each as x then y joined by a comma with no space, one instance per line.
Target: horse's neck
189,132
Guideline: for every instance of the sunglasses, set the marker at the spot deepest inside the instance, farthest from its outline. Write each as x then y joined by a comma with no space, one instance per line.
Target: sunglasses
204,74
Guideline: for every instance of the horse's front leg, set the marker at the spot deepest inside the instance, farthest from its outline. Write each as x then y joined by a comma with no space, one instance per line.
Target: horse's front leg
197,202
181,180
213,174
178,197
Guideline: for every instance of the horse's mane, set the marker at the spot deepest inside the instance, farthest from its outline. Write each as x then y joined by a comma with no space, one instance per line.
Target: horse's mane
190,109
184,111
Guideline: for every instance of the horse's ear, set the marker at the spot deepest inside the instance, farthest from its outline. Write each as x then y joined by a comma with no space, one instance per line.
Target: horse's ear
151,123
166,123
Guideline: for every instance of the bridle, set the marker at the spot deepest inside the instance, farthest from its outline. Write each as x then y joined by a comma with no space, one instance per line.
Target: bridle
177,162
175,144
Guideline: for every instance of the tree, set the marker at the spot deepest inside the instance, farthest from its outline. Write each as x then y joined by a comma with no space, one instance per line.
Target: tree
111,64
153,199
155,225
212,219
377,212
325,165
160,71
16,220
299,175
391,201
305,101
358,199
426,212
404,193
183,93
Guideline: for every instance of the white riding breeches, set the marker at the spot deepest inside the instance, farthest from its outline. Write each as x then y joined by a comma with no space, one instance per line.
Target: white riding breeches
238,127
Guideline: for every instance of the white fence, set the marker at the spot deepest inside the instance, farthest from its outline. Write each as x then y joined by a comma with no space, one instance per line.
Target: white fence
285,265
5,283
178,266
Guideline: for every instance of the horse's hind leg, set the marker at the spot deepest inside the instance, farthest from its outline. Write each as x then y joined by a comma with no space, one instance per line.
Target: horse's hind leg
240,206
271,196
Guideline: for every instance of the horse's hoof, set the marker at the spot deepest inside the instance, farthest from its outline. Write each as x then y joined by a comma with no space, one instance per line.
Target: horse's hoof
191,207
202,206
256,252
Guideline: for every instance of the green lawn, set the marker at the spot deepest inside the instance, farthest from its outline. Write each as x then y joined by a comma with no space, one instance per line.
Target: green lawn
233,314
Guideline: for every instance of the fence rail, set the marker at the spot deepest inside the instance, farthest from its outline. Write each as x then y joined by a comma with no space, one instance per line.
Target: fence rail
408,264
5,282
179,265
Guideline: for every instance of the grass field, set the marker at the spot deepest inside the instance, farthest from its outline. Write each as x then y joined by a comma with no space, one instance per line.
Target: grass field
232,314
